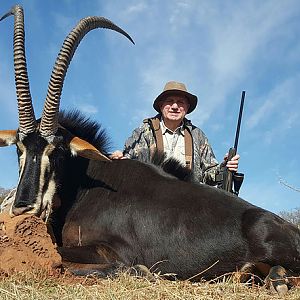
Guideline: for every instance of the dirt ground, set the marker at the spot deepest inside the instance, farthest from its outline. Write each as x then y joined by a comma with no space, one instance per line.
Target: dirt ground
25,245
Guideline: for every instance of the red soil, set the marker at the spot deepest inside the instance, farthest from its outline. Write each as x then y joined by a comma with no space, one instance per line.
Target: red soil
25,245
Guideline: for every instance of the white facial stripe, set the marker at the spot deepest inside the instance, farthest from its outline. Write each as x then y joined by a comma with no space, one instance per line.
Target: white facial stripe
22,160
48,196
21,146
45,202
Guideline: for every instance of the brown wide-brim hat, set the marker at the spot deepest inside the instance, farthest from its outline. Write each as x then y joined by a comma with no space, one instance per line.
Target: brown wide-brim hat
173,87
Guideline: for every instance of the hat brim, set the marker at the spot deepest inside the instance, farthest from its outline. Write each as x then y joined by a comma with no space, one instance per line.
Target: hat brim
192,99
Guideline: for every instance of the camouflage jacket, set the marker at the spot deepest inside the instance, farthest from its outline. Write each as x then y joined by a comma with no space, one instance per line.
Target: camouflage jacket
205,166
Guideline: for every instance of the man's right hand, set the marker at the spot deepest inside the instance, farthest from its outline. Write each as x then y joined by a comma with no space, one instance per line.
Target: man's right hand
117,155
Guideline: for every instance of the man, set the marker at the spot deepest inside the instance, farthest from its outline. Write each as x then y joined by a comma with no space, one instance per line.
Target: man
171,132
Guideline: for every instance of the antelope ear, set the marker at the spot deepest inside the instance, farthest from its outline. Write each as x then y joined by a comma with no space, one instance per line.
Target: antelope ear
83,148
8,137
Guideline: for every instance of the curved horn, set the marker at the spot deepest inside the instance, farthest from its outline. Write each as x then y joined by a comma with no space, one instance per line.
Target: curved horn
49,121
27,122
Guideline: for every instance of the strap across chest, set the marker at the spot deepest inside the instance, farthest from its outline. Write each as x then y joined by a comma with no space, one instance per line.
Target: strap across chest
188,141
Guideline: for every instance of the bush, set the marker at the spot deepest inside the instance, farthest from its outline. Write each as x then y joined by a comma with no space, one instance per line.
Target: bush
291,216
3,193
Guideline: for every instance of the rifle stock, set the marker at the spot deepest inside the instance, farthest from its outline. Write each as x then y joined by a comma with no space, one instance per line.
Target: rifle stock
228,175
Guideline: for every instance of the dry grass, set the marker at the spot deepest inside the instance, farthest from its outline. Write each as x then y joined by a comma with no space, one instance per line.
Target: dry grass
40,286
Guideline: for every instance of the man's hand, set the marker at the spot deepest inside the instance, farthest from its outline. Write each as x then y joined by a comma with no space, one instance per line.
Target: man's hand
117,155
232,164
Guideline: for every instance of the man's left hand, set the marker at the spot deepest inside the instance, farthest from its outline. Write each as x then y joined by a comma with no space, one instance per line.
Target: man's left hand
232,164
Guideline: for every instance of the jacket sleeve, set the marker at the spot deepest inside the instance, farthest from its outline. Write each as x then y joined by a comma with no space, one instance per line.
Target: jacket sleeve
206,168
137,145
211,168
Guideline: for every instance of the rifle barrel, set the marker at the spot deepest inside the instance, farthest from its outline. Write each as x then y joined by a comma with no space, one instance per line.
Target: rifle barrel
239,121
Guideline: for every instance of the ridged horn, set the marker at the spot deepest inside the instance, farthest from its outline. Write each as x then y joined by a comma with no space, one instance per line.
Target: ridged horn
49,121
27,122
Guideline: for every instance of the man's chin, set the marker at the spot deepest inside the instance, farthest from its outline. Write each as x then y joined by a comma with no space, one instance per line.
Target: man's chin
174,117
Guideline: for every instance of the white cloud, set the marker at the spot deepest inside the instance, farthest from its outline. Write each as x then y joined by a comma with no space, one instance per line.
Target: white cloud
135,9
87,108
214,47
8,98
237,39
263,111
282,100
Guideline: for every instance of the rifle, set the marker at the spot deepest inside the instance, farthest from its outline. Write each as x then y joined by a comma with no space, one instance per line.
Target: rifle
230,177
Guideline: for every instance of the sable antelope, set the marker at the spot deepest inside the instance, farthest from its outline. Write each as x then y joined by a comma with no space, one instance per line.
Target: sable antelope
106,214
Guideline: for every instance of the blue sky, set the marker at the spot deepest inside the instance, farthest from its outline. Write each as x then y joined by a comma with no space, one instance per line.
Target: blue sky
218,48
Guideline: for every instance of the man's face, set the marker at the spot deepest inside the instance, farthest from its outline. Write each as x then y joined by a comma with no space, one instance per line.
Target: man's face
174,107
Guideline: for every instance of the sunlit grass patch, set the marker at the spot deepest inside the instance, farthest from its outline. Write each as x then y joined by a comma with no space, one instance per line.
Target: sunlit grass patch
40,286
